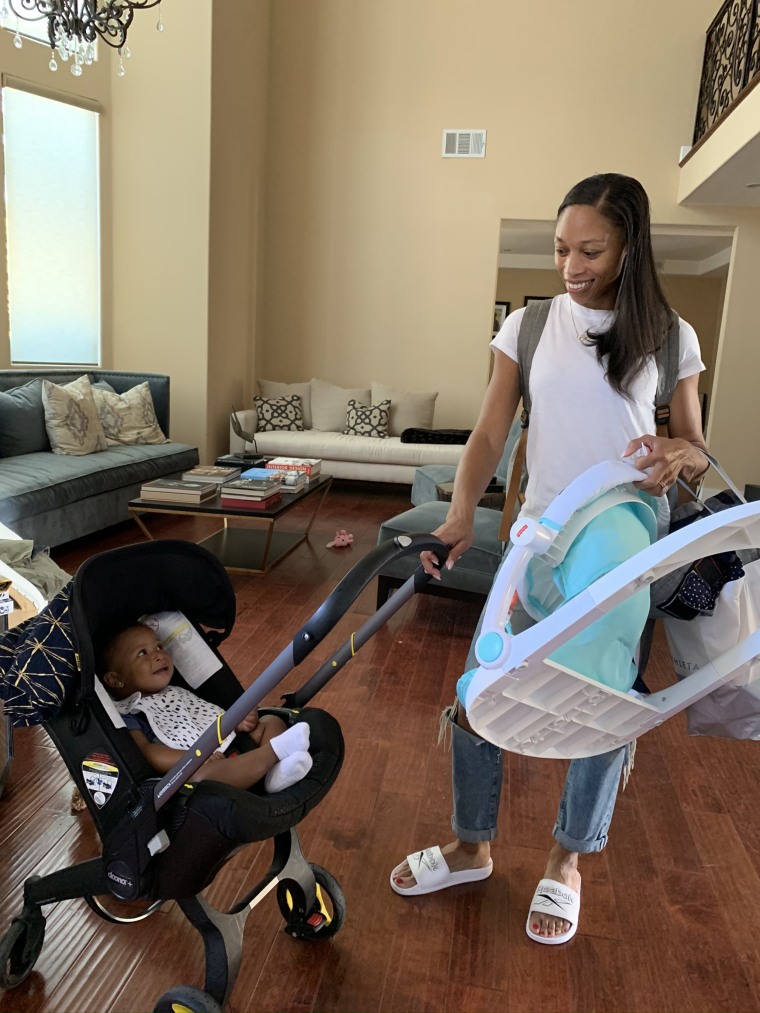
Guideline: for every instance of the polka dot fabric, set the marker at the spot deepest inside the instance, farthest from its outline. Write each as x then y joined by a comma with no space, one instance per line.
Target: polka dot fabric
176,716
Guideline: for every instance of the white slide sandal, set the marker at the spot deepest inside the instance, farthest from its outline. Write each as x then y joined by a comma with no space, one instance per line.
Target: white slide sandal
432,873
559,901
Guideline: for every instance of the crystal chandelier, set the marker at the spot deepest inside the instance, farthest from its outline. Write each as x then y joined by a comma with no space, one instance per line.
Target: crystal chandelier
74,26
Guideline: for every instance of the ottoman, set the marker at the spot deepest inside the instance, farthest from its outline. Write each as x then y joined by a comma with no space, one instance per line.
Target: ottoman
471,577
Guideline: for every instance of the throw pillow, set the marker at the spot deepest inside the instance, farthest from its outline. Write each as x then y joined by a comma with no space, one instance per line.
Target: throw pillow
271,388
71,418
367,420
410,409
22,420
128,419
278,414
329,404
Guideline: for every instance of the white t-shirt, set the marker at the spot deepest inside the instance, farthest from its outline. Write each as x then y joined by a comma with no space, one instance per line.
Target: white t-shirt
576,418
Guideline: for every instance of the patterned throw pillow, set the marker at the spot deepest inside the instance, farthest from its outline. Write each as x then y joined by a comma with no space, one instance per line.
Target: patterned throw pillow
367,420
278,414
71,418
128,419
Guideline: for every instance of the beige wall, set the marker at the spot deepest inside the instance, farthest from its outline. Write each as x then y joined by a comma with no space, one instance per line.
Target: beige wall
161,195
381,255
280,208
734,420
239,95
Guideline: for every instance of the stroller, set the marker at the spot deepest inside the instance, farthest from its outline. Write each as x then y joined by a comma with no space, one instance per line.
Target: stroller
164,838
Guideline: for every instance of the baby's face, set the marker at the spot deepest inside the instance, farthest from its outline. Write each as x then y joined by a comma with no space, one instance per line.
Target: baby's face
140,661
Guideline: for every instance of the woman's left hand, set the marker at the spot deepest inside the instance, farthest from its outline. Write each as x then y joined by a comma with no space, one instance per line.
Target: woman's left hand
663,461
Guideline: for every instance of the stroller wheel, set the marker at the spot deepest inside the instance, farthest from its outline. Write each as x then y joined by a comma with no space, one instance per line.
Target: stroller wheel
186,999
20,947
327,915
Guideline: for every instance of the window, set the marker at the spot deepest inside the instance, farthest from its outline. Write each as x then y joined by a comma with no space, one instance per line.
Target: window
52,220
37,30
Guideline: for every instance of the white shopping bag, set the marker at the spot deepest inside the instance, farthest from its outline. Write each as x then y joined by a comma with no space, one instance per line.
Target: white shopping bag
733,710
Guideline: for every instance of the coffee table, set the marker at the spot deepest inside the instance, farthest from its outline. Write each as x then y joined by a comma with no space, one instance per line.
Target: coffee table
250,547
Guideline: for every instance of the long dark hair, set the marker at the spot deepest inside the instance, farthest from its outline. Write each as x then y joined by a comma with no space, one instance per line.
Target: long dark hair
643,315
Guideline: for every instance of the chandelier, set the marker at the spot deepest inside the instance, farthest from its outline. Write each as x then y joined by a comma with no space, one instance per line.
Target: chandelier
74,26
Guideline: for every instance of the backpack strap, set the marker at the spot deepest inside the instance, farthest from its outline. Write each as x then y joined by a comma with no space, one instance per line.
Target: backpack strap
667,357
531,328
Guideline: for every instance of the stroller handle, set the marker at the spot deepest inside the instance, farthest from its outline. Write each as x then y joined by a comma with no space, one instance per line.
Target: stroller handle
354,582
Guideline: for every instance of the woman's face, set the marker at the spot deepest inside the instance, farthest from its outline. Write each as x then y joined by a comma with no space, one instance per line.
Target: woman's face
588,254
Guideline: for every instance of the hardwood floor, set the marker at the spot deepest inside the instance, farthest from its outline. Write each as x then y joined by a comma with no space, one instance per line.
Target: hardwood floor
669,920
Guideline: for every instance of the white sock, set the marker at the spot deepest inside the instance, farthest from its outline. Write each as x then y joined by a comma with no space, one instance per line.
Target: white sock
292,740
288,771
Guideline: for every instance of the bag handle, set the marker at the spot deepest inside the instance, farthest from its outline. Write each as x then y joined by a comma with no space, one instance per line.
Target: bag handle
723,474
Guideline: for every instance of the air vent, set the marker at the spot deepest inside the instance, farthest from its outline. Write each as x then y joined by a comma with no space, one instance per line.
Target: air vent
464,144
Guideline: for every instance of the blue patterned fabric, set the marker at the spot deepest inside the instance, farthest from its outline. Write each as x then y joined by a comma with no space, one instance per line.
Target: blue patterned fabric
38,664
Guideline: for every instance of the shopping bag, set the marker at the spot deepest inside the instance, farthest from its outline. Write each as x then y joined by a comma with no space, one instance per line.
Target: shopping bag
693,589
733,710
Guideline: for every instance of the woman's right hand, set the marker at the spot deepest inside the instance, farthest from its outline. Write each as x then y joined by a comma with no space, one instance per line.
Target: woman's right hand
458,535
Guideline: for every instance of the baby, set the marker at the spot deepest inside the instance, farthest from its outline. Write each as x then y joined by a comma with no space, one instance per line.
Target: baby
166,720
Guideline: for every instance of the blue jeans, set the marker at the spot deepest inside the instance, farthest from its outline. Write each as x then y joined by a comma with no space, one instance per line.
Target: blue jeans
588,798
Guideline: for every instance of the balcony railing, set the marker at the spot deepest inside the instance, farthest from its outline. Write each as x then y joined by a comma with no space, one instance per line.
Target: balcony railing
731,64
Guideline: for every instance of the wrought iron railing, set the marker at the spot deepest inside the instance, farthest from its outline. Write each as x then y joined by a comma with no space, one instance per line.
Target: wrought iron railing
731,64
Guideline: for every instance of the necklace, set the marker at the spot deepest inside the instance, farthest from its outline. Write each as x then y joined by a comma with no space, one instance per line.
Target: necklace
583,337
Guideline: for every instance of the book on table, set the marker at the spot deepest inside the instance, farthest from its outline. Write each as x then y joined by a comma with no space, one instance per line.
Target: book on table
310,466
177,490
260,475
240,461
252,487
210,473
248,503
293,481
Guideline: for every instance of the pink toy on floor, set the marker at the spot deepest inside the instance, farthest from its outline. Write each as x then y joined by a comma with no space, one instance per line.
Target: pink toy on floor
341,540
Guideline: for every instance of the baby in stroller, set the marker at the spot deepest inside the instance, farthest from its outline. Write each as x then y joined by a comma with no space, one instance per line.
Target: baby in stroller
166,720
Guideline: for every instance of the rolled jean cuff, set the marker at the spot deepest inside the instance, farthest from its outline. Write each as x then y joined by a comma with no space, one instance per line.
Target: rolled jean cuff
471,836
580,847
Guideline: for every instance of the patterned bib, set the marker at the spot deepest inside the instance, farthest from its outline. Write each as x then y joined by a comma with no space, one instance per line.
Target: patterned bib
176,716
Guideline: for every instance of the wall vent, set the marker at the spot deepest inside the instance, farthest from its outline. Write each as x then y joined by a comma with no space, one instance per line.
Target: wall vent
464,144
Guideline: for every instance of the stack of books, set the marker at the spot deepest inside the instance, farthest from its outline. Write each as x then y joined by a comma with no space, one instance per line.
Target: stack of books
177,490
211,473
293,481
310,466
252,493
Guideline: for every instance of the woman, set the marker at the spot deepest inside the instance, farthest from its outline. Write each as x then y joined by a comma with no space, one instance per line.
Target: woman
593,383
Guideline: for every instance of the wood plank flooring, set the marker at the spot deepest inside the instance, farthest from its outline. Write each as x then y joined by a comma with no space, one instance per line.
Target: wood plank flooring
669,920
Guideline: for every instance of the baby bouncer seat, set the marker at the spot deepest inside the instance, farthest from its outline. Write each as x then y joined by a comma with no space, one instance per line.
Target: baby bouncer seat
523,701
164,838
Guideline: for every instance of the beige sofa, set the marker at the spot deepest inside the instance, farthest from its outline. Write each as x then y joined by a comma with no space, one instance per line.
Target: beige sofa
317,412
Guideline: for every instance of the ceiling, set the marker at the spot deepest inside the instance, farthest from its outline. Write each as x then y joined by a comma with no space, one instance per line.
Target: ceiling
677,250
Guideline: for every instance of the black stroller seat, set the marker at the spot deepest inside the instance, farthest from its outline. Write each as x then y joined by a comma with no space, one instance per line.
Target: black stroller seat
165,838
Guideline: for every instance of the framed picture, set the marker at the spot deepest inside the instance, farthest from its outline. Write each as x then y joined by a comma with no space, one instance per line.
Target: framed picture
499,315
534,298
